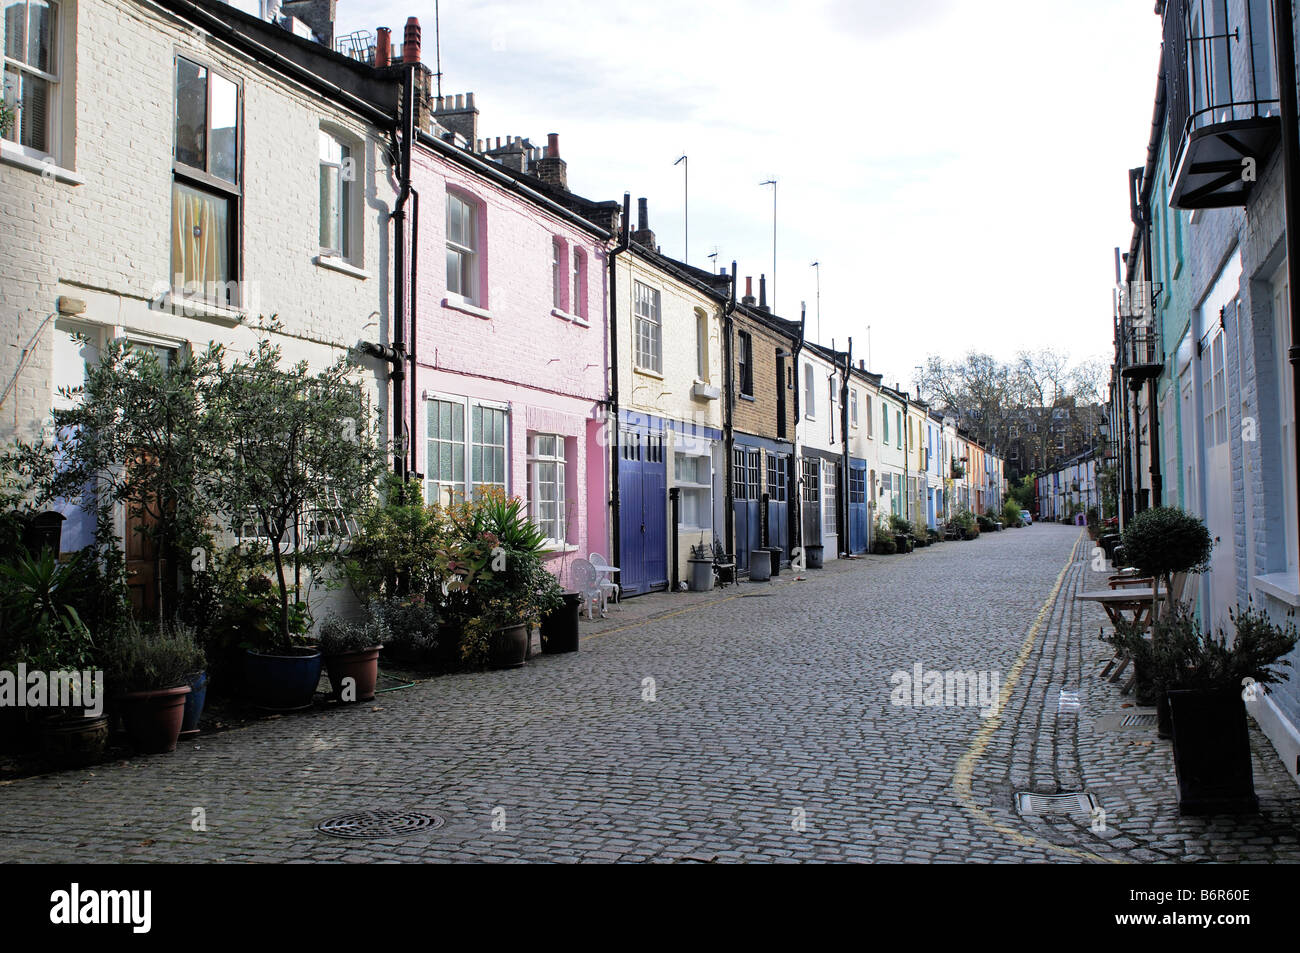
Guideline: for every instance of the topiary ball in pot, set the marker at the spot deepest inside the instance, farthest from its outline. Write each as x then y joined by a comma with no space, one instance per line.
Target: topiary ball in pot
1165,540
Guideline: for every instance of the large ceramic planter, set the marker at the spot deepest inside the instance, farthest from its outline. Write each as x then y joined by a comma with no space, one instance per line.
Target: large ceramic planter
1212,753
701,574
509,647
75,740
194,704
814,553
282,682
362,667
760,565
153,719
560,625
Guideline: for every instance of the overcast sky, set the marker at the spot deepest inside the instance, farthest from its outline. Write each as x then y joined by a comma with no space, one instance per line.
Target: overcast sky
958,167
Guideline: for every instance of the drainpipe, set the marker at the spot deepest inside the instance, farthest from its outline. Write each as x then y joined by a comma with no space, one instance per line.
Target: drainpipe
728,437
843,501
414,298
616,534
1153,400
796,457
399,264
674,502
1286,81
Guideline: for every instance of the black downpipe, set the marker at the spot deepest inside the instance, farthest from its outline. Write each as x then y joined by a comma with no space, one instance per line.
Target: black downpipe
728,437
843,502
399,269
796,459
675,504
1286,80
1153,400
616,532
415,285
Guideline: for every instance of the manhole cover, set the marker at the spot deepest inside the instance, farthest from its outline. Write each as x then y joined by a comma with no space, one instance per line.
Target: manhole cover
1138,720
363,824
1037,804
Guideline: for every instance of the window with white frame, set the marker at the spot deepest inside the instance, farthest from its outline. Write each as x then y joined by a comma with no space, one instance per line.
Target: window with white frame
546,475
205,185
31,74
693,475
557,274
701,346
578,285
462,248
460,457
649,332
337,175
809,392
853,407
1215,395
871,423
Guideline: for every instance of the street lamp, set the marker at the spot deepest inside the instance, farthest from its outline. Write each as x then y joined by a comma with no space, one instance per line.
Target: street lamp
772,182
686,206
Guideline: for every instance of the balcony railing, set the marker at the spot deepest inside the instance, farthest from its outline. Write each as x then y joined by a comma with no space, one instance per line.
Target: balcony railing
1140,353
1221,99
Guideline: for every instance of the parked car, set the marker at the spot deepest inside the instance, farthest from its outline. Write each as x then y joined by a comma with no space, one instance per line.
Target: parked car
1026,518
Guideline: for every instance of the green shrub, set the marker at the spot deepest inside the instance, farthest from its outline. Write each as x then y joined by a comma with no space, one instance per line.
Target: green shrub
1011,513
412,623
1165,540
340,636
899,526
141,658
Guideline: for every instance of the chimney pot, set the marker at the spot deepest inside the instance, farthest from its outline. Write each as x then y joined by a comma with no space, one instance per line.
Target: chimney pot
553,145
411,41
762,292
383,46
642,214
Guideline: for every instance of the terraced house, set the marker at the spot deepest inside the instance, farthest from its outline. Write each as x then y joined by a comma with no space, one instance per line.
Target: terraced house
230,170
863,395
1202,396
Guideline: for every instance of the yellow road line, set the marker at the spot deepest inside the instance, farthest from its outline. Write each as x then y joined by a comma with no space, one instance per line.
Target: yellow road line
963,775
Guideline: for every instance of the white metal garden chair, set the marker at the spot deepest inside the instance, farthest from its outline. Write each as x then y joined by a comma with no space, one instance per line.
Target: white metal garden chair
607,584
587,581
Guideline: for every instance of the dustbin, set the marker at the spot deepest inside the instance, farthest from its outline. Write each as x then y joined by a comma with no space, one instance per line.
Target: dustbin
776,552
760,565
814,554
43,531
560,625
701,574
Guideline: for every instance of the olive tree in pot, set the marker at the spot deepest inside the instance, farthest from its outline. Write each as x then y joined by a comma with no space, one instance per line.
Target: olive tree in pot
351,650
300,462
148,671
1165,542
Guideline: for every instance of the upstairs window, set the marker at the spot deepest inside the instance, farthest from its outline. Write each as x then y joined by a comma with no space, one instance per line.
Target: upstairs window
871,422
649,332
578,285
701,346
745,363
884,421
205,185
557,274
853,407
462,248
809,392
337,175
31,73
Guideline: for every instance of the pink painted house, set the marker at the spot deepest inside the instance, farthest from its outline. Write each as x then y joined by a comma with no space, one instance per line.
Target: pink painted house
512,335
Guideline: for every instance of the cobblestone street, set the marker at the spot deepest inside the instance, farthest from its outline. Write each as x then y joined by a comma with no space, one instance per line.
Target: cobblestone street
771,737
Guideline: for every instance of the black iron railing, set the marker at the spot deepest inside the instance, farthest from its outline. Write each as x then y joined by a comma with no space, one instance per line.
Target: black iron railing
1141,345
1218,68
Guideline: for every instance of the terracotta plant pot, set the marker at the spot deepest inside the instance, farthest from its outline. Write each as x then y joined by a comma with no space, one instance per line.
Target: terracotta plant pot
153,719
75,740
510,647
362,667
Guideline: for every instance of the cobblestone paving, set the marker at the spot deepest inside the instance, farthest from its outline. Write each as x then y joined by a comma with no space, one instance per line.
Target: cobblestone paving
771,737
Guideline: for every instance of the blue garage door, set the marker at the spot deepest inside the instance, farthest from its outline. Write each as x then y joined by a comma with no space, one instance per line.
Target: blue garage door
858,508
643,513
747,503
778,502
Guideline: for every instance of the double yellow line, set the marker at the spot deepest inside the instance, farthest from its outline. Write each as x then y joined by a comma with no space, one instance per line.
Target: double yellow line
962,777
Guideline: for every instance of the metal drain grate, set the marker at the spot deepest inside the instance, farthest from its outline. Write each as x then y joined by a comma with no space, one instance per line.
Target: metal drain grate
1138,720
369,824
1038,804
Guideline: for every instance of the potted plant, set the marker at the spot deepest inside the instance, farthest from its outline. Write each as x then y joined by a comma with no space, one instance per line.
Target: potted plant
902,532
149,669
412,623
883,542
1205,678
1164,541
280,673
351,651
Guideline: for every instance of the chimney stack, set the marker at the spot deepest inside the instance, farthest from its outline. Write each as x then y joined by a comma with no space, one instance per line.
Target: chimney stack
762,293
319,16
749,291
551,169
383,47
643,235
459,114
411,41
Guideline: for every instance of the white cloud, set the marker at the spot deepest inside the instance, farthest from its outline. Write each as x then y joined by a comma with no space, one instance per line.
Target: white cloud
958,168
